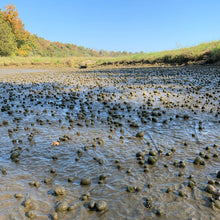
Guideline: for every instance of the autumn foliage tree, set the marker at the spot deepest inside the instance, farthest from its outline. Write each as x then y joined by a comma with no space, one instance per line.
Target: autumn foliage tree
7,41
22,37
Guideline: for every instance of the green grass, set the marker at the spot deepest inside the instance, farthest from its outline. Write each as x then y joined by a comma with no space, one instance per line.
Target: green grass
47,61
208,52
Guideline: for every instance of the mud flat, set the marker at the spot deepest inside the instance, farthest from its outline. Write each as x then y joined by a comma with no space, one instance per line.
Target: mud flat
5,71
136,143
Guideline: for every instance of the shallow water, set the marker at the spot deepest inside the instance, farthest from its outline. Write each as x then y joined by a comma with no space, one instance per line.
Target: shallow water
176,107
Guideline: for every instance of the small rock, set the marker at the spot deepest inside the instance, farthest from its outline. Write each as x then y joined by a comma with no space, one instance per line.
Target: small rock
182,193
160,212
140,154
18,195
131,188
153,153
54,216
31,214
72,207
140,134
14,155
85,181
210,189
28,203
216,195
148,202
84,197
91,204
101,205
37,184
198,161
4,171
62,206
32,183
217,204
59,191
191,183
70,179
55,143
102,177
52,170
47,180
152,159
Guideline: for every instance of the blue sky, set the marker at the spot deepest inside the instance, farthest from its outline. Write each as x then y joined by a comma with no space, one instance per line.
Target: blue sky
118,25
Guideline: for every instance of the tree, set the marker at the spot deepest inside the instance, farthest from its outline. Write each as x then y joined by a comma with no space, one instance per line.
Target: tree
23,38
11,17
7,41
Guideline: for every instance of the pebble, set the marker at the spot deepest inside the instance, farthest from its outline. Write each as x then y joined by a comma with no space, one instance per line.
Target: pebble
91,204
152,159
62,206
210,189
31,214
101,205
140,134
85,181
54,216
18,195
59,191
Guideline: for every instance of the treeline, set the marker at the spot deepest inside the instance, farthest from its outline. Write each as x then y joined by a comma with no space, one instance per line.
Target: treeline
15,40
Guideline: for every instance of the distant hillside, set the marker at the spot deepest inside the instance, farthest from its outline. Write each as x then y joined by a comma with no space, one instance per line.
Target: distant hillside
46,48
204,53
15,40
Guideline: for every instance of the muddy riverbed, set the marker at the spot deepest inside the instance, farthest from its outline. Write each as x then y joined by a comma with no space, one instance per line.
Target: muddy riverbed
138,143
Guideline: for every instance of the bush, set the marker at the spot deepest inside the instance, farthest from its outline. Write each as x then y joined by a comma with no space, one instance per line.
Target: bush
69,63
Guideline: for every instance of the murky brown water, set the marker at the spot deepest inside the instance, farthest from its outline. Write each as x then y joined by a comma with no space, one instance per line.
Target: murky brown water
177,109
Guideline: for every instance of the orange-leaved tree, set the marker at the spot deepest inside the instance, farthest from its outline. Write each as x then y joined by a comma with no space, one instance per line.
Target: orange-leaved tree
22,37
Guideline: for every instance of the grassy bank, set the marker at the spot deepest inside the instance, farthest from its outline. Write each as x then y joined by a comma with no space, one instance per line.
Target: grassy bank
201,54
47,61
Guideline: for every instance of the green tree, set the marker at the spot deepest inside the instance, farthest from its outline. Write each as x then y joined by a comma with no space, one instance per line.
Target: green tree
7,41
25,42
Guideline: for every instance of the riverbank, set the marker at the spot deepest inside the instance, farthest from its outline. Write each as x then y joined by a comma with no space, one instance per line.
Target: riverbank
203,54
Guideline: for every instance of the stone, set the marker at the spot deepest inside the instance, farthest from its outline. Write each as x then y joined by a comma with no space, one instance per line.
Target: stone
85,181
91,204
31,214
198,161
152,160
210,189
62,206
140,134
18,195
217,204
153,153
101,205
59,191
54,216
55,143
28,203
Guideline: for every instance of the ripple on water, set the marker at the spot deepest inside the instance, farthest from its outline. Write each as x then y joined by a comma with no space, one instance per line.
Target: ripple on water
90,108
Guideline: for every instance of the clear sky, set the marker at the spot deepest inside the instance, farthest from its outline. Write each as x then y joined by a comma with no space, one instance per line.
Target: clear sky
130,25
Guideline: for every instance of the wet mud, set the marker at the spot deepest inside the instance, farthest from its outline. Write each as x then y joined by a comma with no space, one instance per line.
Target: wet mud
135,143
